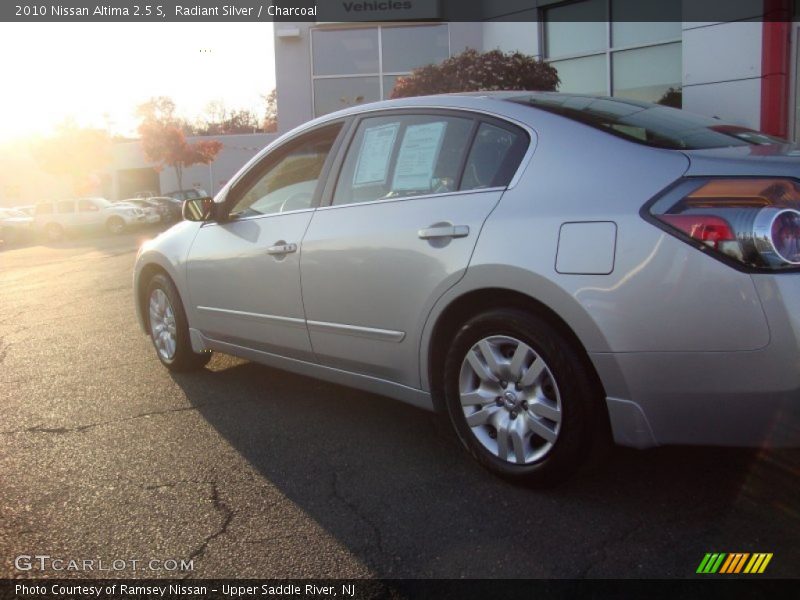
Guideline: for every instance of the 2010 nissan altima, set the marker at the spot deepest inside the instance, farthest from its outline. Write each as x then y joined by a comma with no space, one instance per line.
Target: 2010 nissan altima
543,268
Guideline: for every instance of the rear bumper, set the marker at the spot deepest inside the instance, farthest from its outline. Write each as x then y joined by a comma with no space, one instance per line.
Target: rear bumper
721,399
749,399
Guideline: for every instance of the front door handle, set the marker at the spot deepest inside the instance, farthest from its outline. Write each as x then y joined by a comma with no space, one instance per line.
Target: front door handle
443,231
282,248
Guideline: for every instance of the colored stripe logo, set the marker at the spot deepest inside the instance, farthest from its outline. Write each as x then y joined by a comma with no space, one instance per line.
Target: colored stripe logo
734,563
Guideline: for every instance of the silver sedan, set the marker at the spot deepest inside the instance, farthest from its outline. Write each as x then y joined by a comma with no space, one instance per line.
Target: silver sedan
549,271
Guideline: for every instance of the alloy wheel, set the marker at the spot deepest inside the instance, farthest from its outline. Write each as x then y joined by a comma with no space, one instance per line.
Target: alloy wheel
510,399
162,324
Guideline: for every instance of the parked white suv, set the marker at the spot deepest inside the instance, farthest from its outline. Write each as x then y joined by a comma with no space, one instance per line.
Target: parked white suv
55,218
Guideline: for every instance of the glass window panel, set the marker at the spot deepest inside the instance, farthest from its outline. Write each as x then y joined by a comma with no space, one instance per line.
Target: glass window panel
406,48
493,159
632,34
577,28
345,51
396,157
339,93
646,74
289,184
388,85
630,25
583,75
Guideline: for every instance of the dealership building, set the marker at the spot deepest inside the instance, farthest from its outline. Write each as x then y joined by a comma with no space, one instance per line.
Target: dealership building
741,70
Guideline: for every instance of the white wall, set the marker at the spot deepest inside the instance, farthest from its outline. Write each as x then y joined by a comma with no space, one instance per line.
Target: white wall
293,75
722,71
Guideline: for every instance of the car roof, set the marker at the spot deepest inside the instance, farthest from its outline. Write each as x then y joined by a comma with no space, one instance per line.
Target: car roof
491,103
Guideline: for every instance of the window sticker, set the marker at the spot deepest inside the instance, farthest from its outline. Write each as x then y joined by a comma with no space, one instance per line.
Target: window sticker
418,156
373,158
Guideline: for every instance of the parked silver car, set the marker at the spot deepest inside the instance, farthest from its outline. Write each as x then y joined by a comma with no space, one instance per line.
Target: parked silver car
15,226
543,268
56,218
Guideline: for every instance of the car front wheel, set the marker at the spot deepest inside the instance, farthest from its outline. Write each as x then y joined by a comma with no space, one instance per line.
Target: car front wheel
520,397
169,329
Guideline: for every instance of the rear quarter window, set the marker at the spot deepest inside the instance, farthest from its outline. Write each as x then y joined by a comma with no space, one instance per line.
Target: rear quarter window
494,157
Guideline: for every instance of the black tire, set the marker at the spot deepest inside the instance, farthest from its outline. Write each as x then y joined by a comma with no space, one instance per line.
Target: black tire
580,398
115,225
54,232
184,358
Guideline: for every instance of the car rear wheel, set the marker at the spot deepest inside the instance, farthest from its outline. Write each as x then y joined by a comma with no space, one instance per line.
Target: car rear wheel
54,232
169,329
520,397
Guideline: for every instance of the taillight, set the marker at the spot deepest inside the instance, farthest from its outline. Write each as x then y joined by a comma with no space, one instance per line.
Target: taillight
755,222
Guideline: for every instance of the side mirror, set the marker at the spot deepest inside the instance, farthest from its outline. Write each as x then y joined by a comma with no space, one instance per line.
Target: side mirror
198,209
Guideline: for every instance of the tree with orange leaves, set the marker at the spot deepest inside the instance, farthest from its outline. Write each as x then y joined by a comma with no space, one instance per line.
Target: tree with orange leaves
164,141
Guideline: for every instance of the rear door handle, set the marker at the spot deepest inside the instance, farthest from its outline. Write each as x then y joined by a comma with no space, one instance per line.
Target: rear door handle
280,249
443,231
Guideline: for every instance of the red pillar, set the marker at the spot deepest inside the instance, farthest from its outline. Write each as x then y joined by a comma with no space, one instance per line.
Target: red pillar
775,67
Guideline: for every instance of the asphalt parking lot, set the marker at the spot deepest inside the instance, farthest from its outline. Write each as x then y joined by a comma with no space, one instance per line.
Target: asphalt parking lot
251,472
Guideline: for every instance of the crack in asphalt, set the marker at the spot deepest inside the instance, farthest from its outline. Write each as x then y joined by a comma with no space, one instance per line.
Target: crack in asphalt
80,428
57,430
39,428
172,484
356,510
227,517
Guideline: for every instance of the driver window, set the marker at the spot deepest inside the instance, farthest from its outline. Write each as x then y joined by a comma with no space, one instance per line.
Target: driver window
289,183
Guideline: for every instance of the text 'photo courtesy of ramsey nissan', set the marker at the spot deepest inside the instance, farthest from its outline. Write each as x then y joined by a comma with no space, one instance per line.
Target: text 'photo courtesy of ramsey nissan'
402,299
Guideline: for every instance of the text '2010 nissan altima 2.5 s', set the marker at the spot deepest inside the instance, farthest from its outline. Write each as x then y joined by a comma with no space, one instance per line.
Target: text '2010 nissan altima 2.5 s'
542,268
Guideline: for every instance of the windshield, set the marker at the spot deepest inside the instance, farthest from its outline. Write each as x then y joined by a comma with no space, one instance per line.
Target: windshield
645,123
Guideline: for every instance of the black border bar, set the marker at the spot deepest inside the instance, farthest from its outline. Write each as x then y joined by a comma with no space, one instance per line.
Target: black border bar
729,588
393,10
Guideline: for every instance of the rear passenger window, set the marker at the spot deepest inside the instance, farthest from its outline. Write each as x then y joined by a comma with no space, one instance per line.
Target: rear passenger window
403,156
494,157
65,206
44,209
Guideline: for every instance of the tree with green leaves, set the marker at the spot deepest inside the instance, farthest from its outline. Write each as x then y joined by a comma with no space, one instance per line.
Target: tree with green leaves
473,71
